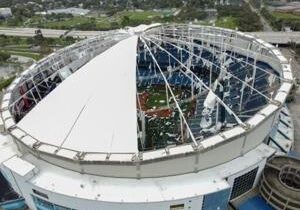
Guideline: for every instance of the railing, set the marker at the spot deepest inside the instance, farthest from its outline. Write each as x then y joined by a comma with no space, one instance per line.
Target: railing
276,198
41,75
91,47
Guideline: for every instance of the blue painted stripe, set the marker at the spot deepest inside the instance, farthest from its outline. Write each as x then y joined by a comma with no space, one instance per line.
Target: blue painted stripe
280,147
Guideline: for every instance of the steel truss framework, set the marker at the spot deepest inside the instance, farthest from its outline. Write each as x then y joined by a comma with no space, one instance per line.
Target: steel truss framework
185,40
191,43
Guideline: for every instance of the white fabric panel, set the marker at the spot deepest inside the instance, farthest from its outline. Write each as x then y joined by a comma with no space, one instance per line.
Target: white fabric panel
93,110
210,100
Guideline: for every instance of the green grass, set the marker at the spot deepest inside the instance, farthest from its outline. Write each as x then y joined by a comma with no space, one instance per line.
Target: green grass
101,23
157,94
157,99
4,83
279,19
285,16
76,21
227,22
16,49
23,46
35,56
70,22
141,15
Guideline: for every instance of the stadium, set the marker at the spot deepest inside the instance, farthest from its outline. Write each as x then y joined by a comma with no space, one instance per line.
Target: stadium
156,117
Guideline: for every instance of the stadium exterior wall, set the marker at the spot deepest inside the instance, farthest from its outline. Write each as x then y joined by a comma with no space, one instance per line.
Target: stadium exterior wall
25,187
26,190
226,156
169,165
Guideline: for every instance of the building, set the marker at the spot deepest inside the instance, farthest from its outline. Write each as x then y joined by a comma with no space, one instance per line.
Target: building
169,117
5,13
211,13
72,10
280,183
291,7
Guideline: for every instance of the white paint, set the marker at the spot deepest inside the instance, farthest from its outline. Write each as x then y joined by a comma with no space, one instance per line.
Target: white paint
86,112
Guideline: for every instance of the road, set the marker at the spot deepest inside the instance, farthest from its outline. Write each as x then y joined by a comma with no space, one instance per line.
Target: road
294,107
49,33
264,22
278,37
272,37
29,32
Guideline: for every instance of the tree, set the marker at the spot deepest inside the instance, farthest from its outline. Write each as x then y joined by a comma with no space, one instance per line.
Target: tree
114,25
4,56
125,21
3,40
38,38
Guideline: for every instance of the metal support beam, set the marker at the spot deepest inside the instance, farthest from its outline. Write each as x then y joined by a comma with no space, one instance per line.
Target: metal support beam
232,52
229,110
228,73
170,89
